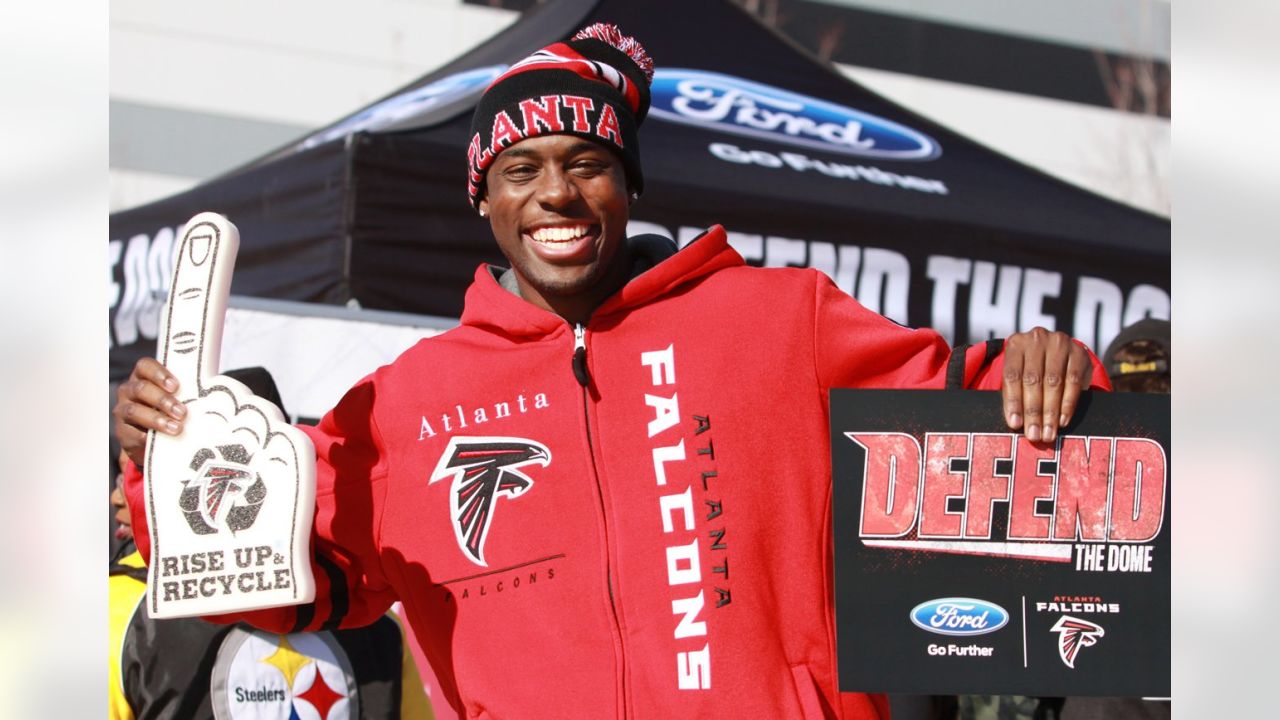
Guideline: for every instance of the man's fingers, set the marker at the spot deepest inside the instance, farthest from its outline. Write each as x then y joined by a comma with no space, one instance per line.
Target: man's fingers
149,385
1032,395
1079,373
151,369
1055,368
1011,389
1034,374
136,415
143,403
191,326
155,398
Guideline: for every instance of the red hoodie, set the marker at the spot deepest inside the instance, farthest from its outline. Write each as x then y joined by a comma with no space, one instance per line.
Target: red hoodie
654,544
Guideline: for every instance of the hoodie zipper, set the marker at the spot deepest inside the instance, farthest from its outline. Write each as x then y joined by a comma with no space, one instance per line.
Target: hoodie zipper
580,355
583,377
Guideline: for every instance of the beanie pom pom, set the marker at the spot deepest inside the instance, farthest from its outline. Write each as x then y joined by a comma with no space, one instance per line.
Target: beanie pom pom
609,34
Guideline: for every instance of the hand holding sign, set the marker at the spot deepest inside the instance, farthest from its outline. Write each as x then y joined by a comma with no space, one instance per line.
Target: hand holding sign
230,494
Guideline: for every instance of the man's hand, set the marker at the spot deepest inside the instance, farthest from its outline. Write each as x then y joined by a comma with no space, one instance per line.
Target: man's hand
147,401
1044,373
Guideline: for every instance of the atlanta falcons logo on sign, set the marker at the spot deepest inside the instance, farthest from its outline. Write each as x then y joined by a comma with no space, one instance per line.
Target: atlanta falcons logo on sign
1073,634
483,468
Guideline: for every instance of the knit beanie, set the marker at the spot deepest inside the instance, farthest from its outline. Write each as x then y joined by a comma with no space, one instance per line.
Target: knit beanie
595,86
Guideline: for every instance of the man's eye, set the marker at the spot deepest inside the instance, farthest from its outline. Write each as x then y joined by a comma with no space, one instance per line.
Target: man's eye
588,167
519,172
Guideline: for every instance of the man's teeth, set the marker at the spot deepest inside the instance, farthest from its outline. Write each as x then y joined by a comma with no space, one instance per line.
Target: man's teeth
559,234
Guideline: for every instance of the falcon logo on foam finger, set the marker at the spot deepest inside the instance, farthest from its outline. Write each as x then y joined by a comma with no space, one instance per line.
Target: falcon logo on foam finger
229,501
222,475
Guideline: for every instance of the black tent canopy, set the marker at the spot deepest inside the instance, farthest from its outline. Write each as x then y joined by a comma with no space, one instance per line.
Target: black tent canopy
801,165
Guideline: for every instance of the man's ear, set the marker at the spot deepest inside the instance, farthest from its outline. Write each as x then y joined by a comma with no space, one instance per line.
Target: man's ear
484,206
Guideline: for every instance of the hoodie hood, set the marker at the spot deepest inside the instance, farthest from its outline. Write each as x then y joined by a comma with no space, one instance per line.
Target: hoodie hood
492,303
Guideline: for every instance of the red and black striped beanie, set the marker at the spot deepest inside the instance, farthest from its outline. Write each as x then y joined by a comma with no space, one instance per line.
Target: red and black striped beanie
595,86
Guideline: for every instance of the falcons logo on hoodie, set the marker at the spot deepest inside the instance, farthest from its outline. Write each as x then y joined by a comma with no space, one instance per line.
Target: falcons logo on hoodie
484,468
1073,634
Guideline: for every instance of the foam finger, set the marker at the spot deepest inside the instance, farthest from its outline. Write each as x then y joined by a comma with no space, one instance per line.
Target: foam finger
191,327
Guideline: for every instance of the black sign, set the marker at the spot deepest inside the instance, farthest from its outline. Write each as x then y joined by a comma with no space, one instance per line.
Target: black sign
969,560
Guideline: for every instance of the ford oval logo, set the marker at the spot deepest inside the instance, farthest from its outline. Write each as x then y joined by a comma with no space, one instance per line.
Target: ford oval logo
959,616
415,101
742,107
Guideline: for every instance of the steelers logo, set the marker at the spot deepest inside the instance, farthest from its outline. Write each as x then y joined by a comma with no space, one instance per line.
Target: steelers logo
301,676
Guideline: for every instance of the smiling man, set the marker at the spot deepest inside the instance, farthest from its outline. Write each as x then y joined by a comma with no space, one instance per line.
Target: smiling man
558,208
607,492
555,163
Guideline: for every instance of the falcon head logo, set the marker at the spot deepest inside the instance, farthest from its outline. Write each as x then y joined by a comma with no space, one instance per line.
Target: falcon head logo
225,492
1073,634
484,468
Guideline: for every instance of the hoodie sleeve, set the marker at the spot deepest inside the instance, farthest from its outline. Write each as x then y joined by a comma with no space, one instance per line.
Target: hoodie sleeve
351,589
857,348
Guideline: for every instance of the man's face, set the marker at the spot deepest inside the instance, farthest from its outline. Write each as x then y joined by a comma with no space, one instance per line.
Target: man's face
558,208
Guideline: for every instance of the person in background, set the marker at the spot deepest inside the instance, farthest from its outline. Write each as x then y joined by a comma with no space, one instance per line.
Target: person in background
1137,360
190,669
